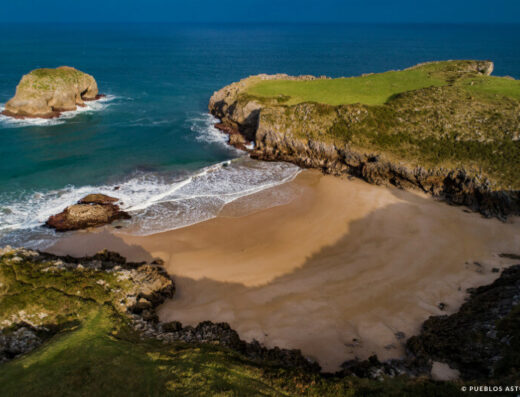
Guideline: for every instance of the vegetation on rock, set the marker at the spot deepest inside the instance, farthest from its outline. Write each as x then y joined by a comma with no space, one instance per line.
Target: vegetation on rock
82,314
45,93
87,327
439,119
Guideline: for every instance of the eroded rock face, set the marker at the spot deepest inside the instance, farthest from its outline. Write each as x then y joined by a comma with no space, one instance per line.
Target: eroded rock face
91,211
295,134
45,93
20,341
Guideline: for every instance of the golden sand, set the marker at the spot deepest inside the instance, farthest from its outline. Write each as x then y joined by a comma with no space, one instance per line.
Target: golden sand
337,272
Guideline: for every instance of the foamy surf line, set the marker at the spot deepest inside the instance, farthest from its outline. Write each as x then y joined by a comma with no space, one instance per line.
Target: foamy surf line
90,106
203,125
157,203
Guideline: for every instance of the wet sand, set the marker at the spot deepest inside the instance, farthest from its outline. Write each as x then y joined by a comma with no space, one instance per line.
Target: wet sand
338,272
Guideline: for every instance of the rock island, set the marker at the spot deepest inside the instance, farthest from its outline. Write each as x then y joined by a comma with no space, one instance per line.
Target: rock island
45,93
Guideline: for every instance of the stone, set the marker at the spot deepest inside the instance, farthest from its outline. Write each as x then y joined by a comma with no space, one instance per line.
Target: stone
271,128
481,339
98,198
91,211
45,93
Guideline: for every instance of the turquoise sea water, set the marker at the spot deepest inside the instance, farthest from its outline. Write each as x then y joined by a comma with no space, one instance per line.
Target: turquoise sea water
152,136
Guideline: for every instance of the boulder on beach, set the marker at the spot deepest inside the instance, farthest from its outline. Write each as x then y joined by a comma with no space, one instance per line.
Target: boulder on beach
45,93
91,211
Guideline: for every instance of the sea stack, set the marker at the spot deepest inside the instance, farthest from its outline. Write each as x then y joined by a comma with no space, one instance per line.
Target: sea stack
45,93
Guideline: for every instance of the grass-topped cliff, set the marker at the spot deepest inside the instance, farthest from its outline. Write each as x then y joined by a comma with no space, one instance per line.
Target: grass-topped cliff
411,128
45,93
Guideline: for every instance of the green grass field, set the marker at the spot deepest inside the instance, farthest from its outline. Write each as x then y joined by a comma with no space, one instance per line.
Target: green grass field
104,357
492,86
378,89
374,89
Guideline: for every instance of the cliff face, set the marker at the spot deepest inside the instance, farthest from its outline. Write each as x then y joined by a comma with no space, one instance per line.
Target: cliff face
45,93
336,139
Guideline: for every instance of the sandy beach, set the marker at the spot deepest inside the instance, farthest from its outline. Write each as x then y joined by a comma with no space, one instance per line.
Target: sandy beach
341,269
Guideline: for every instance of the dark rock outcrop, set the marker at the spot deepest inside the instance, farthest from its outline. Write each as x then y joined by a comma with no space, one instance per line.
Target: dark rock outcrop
91,211
21,340
481,340
454,186
223,335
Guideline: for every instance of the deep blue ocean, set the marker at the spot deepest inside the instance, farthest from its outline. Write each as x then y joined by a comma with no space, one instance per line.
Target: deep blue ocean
152,137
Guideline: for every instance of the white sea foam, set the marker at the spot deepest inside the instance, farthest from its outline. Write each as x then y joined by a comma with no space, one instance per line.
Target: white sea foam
90,106
156,202
203,125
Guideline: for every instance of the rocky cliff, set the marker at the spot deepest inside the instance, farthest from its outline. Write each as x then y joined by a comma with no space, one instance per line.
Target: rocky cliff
45,93
43,294
442,140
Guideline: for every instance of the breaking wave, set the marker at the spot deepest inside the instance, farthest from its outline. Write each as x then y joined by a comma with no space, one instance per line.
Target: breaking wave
90,107
156,202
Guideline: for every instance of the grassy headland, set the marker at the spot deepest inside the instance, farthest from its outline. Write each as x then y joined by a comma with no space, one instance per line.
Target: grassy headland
374,89
439,115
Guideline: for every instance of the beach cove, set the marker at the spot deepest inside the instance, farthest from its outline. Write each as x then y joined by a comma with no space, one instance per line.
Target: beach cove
342,270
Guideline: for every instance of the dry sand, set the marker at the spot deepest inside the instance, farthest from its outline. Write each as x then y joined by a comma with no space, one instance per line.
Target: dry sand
337,272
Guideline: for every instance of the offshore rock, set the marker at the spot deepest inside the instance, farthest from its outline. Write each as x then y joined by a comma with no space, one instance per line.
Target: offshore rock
91,211
45,93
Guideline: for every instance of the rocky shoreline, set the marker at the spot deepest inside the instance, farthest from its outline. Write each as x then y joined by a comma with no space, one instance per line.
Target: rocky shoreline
481,340
148,287
271,128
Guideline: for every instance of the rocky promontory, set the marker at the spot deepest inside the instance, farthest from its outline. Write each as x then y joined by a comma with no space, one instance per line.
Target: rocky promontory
91,211
42,294
45,93
454,133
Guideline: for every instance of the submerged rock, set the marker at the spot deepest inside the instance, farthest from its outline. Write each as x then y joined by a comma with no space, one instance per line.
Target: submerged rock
45,93
91,211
